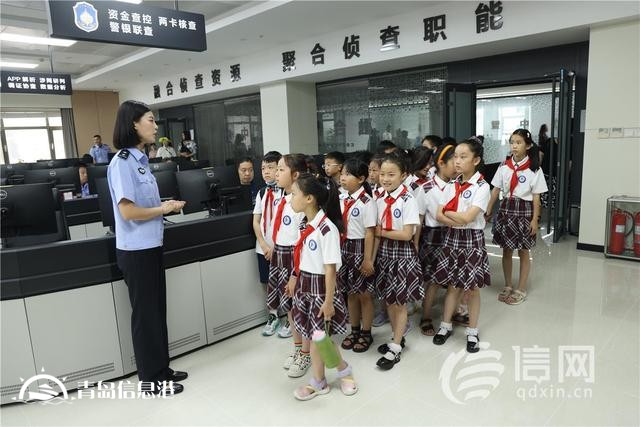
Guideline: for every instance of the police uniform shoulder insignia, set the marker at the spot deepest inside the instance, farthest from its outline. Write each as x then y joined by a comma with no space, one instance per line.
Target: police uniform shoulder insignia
124,154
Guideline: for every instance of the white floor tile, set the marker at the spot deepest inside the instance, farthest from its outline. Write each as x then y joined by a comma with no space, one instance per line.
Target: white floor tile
575,298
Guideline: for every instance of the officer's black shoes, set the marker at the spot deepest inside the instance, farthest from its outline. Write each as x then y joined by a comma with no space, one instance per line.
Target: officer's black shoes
176,376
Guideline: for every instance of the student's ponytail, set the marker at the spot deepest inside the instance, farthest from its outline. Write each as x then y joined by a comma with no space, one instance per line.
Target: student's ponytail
357,167
326,193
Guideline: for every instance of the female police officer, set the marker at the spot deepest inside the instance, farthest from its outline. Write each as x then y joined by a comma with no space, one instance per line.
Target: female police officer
138,215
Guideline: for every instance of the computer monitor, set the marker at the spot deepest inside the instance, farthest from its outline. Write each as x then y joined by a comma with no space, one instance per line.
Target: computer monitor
227,176
27,210
167,184
105,203
56,163
94,172
164,166
66,179
14,169
198,187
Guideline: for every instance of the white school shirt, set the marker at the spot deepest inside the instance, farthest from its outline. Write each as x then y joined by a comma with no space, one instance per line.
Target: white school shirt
429,200
412,185
477,194
362,214
290,224
404,210
529,182
431,172
260,209
321,247
377,191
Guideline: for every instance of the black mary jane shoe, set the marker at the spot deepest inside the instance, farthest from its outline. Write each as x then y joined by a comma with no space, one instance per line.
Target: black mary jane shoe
385,363
439,339
383,348
473,346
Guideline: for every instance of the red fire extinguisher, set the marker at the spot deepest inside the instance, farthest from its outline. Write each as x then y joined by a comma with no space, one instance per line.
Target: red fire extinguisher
636,234
619,231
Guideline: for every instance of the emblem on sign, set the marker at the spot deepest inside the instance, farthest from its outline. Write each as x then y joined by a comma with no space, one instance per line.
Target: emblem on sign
85,16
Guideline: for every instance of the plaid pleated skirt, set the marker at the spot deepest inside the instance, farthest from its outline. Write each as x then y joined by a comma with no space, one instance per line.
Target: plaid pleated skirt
430,253
398,272
512,225
279,272
350,280
308,298
465,263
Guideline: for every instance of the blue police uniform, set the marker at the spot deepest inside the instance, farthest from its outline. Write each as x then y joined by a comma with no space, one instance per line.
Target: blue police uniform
140,258
100,154
84,190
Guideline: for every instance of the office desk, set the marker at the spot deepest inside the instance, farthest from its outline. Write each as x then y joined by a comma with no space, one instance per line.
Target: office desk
66,309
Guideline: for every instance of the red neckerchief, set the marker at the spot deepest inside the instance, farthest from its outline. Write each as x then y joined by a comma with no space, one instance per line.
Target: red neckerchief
387,218
452,205
348,203
268,208
297,251
278,221
514,176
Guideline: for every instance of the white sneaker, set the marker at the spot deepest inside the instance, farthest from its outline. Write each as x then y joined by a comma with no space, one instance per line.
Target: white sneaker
272,325
291,357
284,331
300,366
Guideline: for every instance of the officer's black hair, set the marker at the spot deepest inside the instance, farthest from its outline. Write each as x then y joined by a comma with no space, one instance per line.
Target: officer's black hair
335,155
97,136
124,133
272,157
326,193
356,167
533,149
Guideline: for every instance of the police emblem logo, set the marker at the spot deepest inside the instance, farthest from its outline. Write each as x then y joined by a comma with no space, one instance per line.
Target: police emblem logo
3,194
142,170
397,213
522,178
313,245
286,220
355,212
85,16
52,173
466,194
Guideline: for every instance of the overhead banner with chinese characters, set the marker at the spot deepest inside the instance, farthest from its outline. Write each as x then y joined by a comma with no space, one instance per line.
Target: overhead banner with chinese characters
38,83
125,23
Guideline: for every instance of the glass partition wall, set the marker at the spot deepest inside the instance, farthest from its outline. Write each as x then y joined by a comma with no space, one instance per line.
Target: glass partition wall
358,114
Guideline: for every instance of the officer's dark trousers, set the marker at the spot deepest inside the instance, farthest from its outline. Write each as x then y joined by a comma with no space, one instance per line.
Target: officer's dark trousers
144,275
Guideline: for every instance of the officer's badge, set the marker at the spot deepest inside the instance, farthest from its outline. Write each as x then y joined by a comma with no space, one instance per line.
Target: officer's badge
85,16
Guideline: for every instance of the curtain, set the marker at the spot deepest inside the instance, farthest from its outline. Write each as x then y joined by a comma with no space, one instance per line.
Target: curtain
69,132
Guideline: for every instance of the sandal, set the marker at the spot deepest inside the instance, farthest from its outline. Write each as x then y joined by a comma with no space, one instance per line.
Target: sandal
426,327
350,340
505,293
461,319
348,385
363,343
516,298
311,390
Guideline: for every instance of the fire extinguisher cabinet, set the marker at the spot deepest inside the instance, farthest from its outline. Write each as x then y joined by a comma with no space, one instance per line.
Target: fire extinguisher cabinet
622,235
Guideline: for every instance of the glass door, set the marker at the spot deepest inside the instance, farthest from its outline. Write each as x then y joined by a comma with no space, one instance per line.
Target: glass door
460,110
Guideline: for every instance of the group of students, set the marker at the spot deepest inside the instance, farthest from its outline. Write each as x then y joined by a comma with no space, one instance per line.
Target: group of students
395,226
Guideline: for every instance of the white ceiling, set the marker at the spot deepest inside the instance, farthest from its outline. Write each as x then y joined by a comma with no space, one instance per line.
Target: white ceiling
30,18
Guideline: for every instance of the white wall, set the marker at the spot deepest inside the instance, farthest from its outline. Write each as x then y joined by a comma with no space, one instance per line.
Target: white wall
611,166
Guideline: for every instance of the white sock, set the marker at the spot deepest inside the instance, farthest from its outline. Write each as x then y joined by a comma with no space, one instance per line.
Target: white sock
446,326
396,348
472,334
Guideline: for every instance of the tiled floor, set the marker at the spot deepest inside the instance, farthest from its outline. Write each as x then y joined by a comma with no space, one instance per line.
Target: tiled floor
576,299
